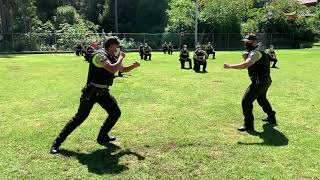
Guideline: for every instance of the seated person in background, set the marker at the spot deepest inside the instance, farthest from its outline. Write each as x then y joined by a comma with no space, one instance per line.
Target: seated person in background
170,48
94,45
141,47
200,58
165,47
210,50
184,57
78,49
147,52
88,53
272,56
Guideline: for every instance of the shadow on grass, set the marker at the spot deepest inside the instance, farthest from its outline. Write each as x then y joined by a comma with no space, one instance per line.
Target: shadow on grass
270,136
5,56
103,161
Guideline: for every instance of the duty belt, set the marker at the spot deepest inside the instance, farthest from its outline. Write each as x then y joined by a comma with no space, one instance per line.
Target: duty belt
258,79
102,86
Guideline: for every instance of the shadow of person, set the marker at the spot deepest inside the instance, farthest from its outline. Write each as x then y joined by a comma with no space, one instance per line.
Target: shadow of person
270,136
103,161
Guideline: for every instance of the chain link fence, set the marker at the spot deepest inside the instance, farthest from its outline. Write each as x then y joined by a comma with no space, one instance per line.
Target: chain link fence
61,42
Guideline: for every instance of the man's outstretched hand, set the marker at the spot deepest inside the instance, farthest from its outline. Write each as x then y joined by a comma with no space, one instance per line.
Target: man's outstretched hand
226,66
136,64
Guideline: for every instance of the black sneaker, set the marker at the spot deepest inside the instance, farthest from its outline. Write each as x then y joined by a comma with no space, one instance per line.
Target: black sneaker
244,128
105,141
54,150
270,120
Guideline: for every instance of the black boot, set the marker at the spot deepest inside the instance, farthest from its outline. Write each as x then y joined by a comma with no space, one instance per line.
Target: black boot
55,146
104,140
204,68
271,118
103,137
247,126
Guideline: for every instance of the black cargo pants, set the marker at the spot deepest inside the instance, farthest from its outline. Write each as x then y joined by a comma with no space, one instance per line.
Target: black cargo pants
256,91
91,95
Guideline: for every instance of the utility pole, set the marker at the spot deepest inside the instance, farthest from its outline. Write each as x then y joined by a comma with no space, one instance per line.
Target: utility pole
196,25
116,15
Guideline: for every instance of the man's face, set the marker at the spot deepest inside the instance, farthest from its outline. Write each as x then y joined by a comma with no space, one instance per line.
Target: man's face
252,43
113,49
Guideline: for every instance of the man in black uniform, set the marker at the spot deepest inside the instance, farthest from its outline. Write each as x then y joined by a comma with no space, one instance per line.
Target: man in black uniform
210,50
88,53
102,67
165,47
170,48
83,50
141,47
184,57
78,49
147,52
200,58
258,65
272,56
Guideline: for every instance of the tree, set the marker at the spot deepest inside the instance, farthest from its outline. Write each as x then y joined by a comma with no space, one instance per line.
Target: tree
220,16
181,15
46,9
151,16
66,14
18,16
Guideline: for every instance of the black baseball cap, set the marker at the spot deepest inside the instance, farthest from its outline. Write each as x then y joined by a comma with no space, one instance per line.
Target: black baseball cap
249,37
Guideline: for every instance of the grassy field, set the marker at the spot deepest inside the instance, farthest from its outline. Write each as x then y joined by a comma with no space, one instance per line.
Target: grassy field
175,124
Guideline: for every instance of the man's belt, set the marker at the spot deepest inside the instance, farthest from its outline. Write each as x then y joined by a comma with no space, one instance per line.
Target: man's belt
258,79
102,86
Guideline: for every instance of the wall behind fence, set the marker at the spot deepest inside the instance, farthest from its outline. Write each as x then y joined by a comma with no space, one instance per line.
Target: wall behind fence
60,42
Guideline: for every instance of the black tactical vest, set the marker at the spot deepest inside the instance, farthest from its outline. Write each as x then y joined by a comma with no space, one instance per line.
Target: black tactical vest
184,53
200,54
141,48
99,75
260,68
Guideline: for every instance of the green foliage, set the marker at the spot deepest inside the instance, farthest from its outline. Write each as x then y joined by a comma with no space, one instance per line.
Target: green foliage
214,15
71,28
20,16
217,16
103,17
66,14
46,9
157,16
181,15
249,26
151,16
271,19
70,34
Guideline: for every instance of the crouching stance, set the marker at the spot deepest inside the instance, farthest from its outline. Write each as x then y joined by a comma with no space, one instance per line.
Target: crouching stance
184,57
102,67
200,58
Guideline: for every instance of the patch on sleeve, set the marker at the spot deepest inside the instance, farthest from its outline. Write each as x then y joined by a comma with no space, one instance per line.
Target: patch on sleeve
255,56
99,60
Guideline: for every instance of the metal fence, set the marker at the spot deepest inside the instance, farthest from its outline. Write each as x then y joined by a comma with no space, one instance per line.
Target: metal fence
61,42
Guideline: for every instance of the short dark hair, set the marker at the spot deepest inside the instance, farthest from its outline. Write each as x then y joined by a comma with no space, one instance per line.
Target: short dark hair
111,41
249,37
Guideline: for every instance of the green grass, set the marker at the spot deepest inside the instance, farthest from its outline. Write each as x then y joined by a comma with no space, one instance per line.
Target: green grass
175,124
